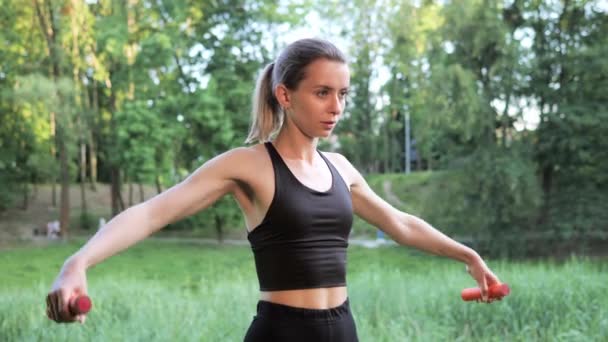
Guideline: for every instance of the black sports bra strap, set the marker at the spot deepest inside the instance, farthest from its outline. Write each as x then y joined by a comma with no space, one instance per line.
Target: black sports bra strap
274,154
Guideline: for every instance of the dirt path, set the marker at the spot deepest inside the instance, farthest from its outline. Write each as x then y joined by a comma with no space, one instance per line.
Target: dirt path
390,196
18,225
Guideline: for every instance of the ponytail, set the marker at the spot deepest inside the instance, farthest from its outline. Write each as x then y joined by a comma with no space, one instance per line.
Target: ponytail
266,115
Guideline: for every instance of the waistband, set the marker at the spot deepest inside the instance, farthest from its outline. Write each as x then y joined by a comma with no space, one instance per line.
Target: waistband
281,311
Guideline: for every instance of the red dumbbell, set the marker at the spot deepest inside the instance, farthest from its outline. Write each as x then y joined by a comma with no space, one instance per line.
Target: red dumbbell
495,291
80,305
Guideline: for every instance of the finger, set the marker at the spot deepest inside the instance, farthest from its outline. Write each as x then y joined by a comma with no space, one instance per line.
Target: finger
81,318
63,307
51,298
492,278
57,305
55,301
484,289
49,312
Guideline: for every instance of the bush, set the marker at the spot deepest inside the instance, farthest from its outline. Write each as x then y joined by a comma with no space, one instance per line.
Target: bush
87,221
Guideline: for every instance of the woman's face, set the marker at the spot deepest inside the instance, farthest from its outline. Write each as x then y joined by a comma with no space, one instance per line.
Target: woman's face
317,104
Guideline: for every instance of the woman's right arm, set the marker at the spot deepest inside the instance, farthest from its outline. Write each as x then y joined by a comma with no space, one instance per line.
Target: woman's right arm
201,189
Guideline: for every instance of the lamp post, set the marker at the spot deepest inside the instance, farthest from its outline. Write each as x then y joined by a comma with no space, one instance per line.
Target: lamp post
406,128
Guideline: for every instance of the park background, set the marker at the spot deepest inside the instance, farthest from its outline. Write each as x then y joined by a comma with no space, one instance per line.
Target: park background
106,103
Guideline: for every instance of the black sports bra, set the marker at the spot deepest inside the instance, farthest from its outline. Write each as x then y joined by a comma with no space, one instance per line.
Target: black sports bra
302,241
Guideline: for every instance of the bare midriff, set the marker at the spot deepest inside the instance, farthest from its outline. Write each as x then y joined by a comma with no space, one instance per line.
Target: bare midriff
321,298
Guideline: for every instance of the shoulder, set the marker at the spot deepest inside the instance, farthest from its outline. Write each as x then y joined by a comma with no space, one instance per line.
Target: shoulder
245,153
243,156
350,174
236,163
337,158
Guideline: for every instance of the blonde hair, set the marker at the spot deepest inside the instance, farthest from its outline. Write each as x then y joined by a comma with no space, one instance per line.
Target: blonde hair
289,69
266,114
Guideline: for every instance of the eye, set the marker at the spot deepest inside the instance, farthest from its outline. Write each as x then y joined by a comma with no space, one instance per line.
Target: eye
322,93
343,94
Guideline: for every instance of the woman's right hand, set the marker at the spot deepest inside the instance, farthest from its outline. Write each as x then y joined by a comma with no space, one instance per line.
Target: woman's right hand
70,283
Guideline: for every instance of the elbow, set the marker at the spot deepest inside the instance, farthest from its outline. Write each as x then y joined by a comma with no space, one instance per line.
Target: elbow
412,230
152,219
403,230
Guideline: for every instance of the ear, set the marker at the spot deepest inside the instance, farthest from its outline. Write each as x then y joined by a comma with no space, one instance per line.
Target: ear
283,96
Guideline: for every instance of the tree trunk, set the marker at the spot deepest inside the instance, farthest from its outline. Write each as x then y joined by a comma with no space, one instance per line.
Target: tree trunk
64,218
113,191
88,135
130,193
25,196
386,141
50,30
92,162
159,187
54,155
116,197
546,183
118,203
92,145
505,121
141,192
83,177
78,100
219,228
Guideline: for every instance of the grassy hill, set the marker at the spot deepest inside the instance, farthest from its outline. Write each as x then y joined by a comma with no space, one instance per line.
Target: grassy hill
406,192
419,193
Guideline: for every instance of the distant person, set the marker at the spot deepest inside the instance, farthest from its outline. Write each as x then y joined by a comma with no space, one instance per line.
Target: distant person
380,236
102,222
298,204
53,229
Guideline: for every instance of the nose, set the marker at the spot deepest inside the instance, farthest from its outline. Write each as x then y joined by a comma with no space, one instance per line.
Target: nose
336,105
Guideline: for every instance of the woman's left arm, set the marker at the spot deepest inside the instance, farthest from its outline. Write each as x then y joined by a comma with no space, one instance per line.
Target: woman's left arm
406,229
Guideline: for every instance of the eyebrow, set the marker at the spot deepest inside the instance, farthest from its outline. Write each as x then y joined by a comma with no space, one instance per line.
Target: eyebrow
322,86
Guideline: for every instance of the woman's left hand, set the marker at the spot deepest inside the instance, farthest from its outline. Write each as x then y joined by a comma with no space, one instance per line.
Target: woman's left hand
484,277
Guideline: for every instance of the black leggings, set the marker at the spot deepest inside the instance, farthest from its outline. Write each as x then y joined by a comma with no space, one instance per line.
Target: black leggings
278,322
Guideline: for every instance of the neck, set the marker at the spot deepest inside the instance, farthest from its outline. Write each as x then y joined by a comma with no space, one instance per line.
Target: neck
293,144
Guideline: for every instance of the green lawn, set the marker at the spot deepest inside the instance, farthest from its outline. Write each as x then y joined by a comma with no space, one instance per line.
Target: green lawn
161,291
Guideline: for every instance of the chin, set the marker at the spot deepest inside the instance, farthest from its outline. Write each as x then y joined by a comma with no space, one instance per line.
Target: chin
325,135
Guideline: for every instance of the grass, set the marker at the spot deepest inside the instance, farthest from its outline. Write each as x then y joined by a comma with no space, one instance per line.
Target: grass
158,291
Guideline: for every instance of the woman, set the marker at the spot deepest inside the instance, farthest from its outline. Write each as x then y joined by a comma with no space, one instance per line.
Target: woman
298,205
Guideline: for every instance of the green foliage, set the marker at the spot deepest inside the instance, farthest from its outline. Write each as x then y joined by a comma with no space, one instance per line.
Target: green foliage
223,218
493,213
156,89
9,189
502,197
25,135
140,135
451,123
570,43
87,221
